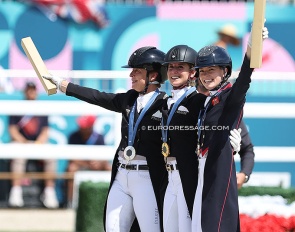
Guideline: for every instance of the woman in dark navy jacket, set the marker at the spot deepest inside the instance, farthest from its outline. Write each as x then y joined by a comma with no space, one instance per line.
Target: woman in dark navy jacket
216,201
138,166
180,117
243,141
179,142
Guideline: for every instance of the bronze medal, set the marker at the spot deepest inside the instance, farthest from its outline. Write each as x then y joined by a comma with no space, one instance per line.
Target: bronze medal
198,150
129,153
165,149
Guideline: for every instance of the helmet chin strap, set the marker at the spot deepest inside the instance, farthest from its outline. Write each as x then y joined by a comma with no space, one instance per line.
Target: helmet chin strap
224,80
201,83
146,86
147,83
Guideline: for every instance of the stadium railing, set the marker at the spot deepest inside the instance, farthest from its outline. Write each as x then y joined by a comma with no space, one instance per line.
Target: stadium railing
273,83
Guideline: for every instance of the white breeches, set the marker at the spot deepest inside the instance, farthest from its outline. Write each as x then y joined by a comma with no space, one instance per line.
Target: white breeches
130,196
197,209
176,214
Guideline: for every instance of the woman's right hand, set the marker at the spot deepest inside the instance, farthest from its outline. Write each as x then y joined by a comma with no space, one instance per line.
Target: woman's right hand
55,79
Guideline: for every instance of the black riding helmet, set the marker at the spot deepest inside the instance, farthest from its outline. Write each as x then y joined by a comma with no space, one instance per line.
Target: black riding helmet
214,56
182,54
149,58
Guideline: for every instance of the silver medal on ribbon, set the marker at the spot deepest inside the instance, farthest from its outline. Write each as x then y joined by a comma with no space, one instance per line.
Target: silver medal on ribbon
129,153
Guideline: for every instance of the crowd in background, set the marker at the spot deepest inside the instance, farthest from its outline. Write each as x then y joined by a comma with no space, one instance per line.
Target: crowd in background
34,129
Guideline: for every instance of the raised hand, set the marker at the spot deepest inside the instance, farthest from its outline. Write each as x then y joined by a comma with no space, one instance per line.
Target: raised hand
55,79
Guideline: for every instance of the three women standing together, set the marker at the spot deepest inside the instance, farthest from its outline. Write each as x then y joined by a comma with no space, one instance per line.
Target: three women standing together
173,169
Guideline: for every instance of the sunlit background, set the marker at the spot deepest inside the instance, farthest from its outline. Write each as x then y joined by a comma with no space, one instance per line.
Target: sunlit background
85,42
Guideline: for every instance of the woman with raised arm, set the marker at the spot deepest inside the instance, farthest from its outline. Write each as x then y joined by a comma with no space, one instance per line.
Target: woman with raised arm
138,166
216,201
179,132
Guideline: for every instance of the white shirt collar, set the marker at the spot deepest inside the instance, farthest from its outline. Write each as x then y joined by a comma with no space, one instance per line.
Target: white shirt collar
212,92
143,99
176,94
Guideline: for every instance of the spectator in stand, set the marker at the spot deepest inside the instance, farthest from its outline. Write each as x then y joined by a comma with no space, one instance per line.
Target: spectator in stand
227,35
85,135
29,129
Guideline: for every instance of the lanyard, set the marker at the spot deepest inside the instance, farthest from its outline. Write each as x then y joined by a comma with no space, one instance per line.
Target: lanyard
165,130
202,115
132,130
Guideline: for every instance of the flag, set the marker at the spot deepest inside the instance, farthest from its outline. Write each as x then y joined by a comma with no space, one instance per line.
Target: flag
80,11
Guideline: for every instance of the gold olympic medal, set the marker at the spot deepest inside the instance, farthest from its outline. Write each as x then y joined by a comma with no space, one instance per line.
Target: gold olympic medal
165,150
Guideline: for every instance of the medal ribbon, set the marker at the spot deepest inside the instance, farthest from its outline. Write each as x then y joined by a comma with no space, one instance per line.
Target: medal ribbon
164,132
132,130
203,112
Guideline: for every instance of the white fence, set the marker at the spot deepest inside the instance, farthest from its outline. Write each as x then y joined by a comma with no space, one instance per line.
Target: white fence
63,151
